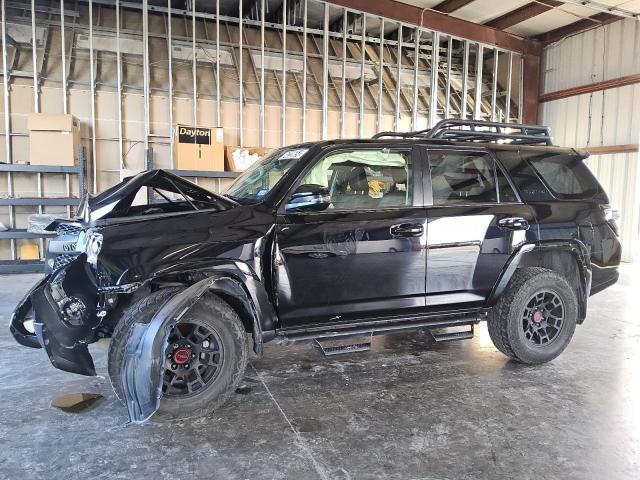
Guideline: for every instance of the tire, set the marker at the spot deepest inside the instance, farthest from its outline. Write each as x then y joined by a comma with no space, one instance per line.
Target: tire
513,323
216,316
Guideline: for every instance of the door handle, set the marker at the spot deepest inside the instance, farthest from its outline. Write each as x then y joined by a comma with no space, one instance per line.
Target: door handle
407,230
513,223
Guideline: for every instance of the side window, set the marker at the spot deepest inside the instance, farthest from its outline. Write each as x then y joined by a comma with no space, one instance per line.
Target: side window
459,177
566,175
365,179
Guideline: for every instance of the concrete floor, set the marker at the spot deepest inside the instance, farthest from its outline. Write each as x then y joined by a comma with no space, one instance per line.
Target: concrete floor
404,411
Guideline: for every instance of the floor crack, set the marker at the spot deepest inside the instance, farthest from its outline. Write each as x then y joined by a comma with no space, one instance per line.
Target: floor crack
319,469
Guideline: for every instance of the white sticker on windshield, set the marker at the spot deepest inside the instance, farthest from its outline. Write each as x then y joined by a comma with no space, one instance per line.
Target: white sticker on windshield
296,153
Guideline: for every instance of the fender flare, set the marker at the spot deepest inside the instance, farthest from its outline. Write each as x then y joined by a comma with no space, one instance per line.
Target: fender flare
143,360
237,280
579,253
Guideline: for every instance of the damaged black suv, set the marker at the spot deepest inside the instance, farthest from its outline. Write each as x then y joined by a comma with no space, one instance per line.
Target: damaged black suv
433,230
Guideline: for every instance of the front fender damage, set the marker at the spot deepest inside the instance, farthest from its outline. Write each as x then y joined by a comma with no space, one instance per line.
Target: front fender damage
143,362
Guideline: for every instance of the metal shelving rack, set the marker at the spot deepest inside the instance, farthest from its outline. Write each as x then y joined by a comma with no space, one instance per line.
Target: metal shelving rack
12,234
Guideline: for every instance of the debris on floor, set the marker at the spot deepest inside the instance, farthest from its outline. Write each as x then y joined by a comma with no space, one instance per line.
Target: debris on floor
75,402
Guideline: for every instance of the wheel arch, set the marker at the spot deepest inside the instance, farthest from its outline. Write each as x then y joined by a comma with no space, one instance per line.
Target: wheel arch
569,258
237,284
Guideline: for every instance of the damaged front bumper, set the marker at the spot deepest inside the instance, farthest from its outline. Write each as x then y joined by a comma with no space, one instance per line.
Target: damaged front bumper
61,310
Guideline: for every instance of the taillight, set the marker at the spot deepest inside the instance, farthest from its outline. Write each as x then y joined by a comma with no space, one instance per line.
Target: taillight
612,216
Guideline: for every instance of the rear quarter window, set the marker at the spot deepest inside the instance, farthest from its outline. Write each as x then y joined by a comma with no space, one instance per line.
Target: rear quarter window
565,175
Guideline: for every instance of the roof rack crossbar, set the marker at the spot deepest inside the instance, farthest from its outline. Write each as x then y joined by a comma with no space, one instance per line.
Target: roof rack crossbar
478,131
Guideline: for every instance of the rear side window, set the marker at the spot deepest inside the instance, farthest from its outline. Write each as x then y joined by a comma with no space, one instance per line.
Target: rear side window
466,178
566,176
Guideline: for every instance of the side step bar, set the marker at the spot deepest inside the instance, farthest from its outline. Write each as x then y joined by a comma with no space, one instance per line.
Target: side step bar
379,328
453,336
335,342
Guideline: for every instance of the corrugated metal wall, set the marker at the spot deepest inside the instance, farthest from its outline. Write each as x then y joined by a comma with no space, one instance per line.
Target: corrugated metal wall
619,174
603,118
600,54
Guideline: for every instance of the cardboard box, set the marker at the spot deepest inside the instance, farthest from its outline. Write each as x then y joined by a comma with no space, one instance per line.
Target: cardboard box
199,148
229,162
53,139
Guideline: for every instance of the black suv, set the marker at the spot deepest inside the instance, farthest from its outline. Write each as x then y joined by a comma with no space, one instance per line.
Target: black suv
433,230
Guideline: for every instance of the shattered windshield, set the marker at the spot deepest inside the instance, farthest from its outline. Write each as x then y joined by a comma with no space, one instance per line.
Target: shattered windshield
254,184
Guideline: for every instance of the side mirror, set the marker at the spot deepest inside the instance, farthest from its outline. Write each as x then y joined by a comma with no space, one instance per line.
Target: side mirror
309,198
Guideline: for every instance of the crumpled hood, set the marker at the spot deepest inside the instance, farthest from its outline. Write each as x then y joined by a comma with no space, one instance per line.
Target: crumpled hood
117,200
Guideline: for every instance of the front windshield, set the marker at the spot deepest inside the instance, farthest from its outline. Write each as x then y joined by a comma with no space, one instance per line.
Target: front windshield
254,184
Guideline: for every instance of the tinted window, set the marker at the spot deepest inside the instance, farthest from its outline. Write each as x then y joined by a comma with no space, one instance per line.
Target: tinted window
458,178
567,176
365,179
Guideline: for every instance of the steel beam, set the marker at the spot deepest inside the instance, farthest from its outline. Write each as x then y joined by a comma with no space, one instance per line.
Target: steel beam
194,64
507,111
34,57
396,118
477,100
447,101
416,66
362,61
170,85
325,72
262,22
465,80
283,125
145,75
218,102
523,13
7,124
241,75
304,70
435,75
580,26
63,54
450,6
380,75
92,79
494,85
439,22
343,95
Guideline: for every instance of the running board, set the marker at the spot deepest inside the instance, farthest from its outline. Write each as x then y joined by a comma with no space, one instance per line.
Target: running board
453,336
329,349
349,338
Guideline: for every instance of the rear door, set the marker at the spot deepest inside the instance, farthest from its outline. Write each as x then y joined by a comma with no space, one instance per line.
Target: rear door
364,256
475,222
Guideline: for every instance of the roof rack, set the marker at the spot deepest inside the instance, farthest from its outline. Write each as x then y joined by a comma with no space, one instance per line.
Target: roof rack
478,131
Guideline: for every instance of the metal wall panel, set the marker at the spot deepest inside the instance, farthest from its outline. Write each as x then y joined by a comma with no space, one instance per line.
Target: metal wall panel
603,53
619,174
607,117
603,118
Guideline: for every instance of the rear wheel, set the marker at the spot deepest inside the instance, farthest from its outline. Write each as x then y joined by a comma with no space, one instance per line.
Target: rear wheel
534,320
205,358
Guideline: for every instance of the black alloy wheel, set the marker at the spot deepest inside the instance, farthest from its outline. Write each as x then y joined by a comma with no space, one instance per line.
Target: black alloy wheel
193,359
543,318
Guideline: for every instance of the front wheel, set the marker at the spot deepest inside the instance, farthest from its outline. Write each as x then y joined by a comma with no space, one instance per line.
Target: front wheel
534,320
205,358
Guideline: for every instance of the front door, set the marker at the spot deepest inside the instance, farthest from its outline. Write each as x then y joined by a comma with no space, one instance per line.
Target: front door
475,222
364,256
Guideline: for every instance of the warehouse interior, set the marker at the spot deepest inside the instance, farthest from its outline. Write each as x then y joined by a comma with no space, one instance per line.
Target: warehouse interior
100,88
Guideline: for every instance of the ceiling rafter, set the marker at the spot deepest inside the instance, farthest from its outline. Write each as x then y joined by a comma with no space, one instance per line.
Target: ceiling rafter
450,6
577,27
523,13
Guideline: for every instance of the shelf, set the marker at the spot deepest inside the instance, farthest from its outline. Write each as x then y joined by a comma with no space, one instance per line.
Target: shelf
204,174
18,167
35,201
21,233
21,266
